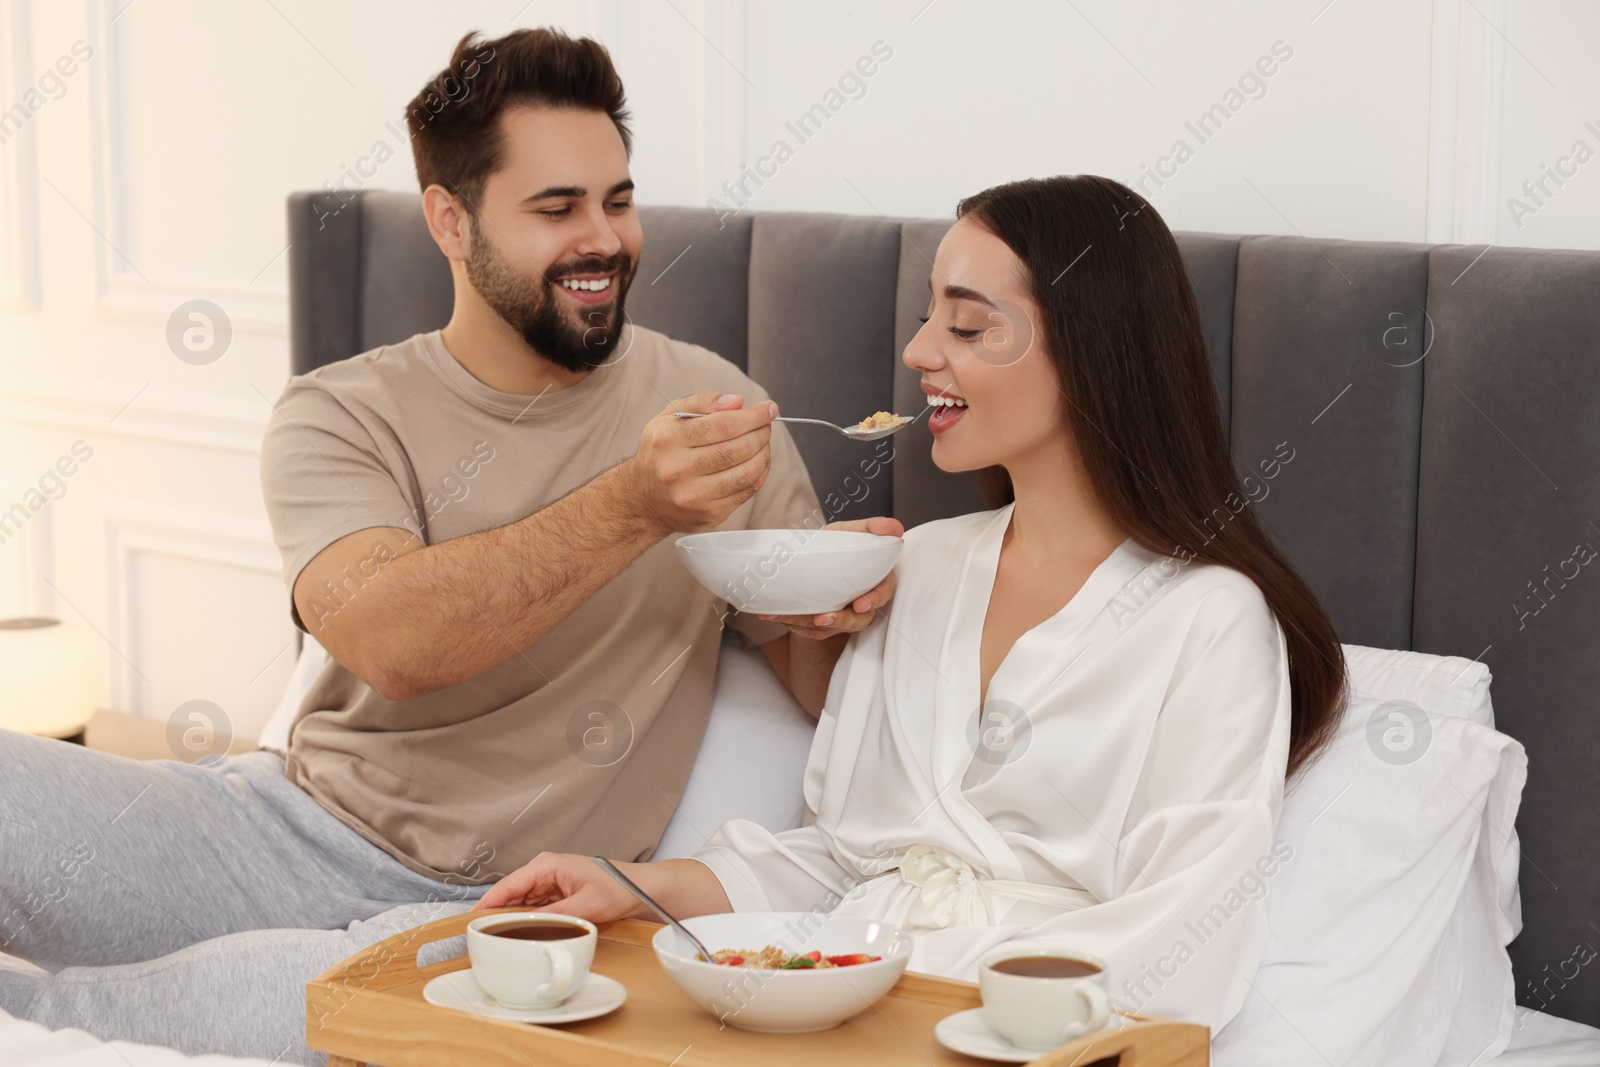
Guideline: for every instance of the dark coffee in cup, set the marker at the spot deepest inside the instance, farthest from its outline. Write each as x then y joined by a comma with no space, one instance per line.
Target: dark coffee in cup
1040,999
534,930
1045,967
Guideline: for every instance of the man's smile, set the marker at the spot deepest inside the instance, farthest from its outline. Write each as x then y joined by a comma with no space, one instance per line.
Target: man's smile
586,288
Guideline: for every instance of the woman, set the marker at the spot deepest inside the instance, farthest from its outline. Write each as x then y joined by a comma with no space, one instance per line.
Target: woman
1072,726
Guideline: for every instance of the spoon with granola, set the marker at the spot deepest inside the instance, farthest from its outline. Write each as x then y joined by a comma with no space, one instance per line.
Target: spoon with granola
874,426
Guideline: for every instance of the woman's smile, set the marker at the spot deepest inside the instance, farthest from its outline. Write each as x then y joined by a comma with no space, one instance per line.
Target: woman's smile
948,407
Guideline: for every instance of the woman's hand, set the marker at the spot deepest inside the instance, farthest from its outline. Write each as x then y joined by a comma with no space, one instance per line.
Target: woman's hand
565,885
864,608
806,658
575,885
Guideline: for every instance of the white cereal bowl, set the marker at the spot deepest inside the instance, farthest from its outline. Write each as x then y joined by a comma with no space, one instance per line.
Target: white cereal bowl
785,1002
789,572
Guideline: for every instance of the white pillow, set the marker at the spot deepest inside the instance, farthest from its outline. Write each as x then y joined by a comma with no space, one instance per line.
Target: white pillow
1445,685
1387,929
752,762
1451,686
275,733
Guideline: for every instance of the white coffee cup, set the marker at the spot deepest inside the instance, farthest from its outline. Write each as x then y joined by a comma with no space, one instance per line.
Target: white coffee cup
522,973
1035,1012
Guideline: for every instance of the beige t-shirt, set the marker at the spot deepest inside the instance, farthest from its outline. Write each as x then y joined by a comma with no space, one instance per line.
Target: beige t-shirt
583,742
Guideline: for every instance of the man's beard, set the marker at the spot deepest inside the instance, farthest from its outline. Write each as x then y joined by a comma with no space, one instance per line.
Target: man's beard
527,302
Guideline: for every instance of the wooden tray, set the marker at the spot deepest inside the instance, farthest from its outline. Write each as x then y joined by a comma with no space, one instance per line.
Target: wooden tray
369,1010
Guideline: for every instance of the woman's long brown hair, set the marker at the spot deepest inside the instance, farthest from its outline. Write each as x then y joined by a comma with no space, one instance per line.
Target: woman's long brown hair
1123,333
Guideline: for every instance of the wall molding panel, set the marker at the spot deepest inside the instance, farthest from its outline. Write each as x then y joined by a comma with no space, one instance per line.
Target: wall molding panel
726,110
122,294
1465,109
133,530
20,271
157,420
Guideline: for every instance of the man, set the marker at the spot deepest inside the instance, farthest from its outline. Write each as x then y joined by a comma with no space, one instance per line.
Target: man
475,523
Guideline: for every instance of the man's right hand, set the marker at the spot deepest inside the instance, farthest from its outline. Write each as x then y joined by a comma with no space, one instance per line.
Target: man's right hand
691,474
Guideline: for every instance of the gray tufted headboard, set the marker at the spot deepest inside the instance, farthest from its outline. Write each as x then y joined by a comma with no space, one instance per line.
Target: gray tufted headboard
1433,503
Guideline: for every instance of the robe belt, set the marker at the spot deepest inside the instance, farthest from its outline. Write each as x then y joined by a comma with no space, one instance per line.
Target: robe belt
952,893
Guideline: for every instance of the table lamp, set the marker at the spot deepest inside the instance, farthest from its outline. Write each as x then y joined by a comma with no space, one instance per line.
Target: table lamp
49,677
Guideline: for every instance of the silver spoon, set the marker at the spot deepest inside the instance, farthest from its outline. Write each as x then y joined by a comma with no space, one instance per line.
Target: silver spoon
855,433
648,901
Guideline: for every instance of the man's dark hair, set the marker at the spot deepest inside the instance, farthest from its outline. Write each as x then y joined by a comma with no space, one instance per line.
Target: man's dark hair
456,136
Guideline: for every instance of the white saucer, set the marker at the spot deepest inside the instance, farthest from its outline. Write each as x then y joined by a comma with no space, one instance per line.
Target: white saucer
459,989
967,1032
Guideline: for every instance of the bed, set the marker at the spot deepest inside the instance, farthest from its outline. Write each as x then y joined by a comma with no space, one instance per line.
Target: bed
1440,401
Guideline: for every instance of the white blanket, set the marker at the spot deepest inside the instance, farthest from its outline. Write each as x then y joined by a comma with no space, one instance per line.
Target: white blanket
1549,1041
24,1044
1540,1041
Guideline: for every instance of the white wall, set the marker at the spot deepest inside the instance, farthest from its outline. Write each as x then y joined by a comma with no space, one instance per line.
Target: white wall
155,173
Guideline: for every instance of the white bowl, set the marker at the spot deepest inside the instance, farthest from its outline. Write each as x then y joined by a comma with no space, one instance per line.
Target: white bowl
785,1002
789,572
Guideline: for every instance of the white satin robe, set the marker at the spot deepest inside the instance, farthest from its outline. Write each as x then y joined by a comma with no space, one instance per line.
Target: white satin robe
1126,811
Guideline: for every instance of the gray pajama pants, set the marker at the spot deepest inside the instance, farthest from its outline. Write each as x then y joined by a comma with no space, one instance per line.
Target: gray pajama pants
186,906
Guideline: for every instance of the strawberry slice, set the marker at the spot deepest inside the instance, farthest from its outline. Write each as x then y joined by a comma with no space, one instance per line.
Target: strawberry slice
853,959
732,961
